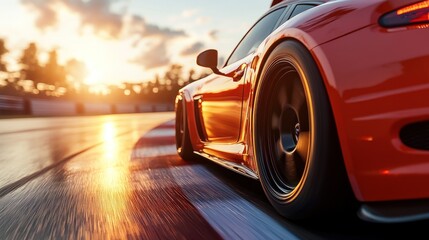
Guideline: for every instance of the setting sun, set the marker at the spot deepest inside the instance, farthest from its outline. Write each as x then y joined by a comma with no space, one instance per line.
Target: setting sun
94,77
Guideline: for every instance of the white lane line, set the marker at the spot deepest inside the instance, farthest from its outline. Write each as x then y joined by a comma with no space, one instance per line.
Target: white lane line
160,132
155,151
229,214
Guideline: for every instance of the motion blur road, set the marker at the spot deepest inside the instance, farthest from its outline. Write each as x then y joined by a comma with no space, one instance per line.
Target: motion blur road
118,177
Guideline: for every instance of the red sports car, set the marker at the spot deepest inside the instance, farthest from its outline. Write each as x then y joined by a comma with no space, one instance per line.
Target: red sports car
320,101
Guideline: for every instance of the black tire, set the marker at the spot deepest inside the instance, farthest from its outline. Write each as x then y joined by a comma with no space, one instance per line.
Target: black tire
296,145
183,141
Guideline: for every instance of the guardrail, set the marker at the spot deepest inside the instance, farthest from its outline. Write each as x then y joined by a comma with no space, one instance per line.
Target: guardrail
12,105
43,107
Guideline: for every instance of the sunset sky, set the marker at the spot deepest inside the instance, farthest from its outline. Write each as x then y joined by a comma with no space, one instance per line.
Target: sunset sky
126,40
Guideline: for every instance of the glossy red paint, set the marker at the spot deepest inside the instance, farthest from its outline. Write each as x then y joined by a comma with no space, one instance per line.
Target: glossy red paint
376,98
377,82
221,103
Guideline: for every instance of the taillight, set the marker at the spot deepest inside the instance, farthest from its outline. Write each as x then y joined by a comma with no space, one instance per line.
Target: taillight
417,13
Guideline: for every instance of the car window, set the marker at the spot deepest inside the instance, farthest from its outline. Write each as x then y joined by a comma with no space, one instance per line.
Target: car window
255,36
297,10
301,8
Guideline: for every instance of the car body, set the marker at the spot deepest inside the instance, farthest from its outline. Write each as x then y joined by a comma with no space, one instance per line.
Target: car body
376,80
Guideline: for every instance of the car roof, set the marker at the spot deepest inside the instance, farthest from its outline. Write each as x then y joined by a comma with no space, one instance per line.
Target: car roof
285,2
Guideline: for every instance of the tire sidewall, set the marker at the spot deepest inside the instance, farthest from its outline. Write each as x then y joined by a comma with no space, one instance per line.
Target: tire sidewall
184,147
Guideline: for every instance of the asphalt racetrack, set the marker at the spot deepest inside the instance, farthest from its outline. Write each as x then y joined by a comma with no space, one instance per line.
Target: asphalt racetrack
119,177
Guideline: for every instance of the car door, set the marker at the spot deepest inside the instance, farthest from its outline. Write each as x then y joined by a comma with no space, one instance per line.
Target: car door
220,101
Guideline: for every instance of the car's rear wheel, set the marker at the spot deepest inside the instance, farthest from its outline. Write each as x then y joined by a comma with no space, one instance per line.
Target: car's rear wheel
296,146
183,141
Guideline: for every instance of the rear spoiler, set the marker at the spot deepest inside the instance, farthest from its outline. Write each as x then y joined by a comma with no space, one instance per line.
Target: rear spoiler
275,2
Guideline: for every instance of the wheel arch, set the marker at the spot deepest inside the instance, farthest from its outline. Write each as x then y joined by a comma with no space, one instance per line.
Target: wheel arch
288,34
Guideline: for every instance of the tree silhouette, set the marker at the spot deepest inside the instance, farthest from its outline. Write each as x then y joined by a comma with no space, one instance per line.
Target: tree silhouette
174,75
157,85
3,51
54,74
191,76
31,69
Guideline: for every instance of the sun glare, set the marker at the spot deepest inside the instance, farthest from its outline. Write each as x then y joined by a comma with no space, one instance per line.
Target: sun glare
94,77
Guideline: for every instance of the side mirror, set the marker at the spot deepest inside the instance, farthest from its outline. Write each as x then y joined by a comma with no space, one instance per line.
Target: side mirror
209,59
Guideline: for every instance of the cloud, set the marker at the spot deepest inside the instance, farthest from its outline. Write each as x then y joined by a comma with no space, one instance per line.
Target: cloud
47,17
151,39
97,14
154,30
94,13
156,56
213,34
193,49
141,27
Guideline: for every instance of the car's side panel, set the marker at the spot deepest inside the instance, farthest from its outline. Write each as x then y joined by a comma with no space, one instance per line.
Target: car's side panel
220,105
212,88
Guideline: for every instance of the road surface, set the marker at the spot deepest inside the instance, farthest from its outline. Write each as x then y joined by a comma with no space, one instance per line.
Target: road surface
119,177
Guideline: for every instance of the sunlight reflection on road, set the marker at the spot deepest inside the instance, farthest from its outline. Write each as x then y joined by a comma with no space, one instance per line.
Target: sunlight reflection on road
109,142
112,185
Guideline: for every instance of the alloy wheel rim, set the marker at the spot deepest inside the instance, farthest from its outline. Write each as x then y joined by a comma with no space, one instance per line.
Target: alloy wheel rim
286,130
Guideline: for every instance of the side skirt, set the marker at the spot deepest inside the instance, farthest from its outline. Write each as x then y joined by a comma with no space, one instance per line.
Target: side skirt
231,166
395,212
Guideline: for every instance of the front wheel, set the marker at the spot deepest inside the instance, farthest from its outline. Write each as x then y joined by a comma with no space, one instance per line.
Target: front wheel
296,146
183,141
